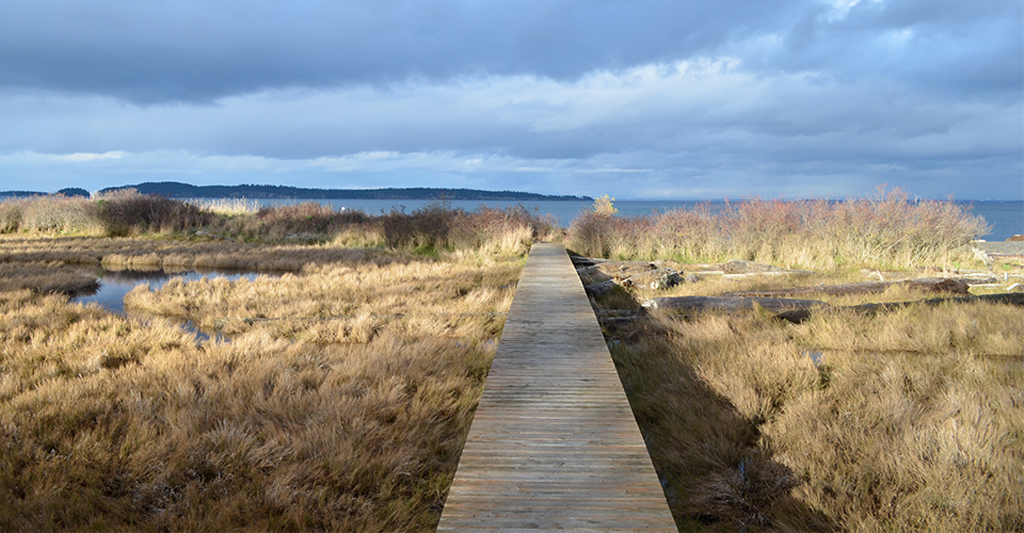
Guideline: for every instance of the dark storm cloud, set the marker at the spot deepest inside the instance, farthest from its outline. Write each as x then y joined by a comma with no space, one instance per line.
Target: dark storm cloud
963,48
191,50
200,50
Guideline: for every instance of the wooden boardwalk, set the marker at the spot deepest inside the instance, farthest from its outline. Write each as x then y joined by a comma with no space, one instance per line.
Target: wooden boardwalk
554,444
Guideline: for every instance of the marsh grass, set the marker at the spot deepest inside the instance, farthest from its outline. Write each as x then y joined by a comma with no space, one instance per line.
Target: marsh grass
311,421
340,403
139,253
227,206
910,420
886,230
46,277
333,301
434,230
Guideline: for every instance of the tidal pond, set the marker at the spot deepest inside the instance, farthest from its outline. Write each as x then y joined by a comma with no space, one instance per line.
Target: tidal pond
115,284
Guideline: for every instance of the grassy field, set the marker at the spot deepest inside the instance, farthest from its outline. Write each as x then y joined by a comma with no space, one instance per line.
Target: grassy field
904,420
341,395
347,411
340,400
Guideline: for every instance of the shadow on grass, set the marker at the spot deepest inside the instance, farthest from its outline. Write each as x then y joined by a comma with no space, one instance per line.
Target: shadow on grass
716,467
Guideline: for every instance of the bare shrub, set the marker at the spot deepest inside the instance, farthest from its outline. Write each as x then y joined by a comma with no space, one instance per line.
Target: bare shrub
887,229
505,231
437,228
305,218
425,230
59,214
590,234
11,215
126,212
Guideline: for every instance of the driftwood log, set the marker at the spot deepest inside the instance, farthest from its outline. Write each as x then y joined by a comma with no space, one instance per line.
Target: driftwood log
954,286
797,316
729,303
601,288
796,311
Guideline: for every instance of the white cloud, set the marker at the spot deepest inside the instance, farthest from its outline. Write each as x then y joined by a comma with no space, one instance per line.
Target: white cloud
84,156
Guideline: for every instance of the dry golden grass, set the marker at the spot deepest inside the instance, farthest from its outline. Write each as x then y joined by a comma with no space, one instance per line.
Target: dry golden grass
346,412
45,277
227,206
333,301
886,229
433,230
179,254
912,420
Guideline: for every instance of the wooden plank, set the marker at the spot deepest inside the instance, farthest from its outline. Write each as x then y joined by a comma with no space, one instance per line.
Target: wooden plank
554,444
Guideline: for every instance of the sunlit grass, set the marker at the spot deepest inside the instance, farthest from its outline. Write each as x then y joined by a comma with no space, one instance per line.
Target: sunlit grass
904,420
341,401
227,206
887,230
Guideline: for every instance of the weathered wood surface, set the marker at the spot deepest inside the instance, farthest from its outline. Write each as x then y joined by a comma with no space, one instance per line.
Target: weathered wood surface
866,287
797,316
728,303
554,444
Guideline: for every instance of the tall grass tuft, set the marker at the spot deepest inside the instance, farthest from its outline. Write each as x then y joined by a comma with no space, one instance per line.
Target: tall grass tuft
887,229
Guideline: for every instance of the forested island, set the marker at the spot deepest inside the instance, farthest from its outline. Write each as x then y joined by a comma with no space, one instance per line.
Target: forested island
172,189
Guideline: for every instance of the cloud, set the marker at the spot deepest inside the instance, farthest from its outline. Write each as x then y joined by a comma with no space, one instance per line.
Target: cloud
641,99
198,51
83,157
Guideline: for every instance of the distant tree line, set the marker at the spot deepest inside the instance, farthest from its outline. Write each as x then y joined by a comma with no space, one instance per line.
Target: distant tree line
69,192
170,189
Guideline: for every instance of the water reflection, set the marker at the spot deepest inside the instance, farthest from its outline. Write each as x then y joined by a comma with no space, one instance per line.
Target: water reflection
114,285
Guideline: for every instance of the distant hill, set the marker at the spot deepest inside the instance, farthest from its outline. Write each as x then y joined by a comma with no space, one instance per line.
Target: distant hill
183,190
70,191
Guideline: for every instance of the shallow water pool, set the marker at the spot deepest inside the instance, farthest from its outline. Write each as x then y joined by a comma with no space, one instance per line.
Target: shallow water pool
115,284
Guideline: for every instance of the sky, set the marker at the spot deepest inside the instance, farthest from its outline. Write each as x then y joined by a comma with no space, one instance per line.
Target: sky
637,99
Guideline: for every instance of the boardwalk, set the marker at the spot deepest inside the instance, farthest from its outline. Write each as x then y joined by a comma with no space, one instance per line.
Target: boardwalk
554,444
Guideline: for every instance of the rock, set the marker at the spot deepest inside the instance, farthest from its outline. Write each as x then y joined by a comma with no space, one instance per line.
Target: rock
662,278
693,278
